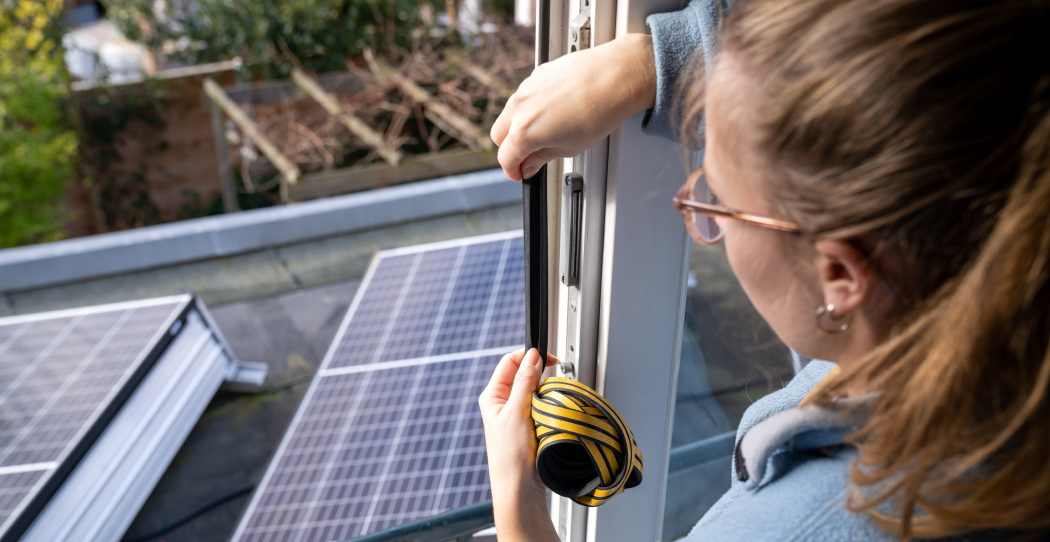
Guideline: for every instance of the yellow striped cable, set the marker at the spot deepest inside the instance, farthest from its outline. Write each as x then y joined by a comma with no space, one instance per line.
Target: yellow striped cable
586,451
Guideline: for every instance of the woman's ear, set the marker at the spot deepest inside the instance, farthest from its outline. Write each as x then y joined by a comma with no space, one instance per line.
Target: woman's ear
845,276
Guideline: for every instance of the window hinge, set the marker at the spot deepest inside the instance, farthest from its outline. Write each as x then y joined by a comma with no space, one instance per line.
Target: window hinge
580,31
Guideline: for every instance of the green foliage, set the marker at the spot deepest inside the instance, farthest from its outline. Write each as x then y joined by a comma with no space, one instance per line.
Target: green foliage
272,37
37,147
196,207
504,8
111,117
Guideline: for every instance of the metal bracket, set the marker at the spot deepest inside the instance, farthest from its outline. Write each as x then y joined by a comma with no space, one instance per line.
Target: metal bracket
570,261
572,212
246,377
580,32
572,227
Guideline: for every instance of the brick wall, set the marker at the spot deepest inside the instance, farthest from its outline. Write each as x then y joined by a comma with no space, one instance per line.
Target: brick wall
160,166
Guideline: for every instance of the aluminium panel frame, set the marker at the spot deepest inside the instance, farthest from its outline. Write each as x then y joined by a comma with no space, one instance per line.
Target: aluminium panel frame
102,496
27,512
99,487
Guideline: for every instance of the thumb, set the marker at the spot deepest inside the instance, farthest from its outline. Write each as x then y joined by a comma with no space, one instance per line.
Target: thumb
525,382
535,161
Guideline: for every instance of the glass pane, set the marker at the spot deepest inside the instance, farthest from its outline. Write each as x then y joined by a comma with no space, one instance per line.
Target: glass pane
730,358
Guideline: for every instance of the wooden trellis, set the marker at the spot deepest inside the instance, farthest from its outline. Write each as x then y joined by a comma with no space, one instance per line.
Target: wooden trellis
352,123
395,166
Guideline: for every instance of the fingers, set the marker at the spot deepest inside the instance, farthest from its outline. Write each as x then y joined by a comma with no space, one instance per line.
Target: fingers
511,154
526,381
502,125
502,379
533,163
508,377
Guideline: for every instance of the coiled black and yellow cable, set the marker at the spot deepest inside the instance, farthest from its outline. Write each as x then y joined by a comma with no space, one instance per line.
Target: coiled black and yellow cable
586,450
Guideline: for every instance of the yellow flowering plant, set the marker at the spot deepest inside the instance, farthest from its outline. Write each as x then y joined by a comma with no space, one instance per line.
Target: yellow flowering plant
38,147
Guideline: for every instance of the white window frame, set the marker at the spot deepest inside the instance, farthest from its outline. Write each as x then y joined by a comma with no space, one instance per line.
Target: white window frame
629,306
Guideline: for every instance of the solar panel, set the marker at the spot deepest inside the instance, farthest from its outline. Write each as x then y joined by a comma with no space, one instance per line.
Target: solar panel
58,373
389,430
94,403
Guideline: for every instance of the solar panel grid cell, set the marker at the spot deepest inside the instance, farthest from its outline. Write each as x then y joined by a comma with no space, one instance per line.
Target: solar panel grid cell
389,431
378,300
506,323
415,322
57,375
465,315
14,488
70,383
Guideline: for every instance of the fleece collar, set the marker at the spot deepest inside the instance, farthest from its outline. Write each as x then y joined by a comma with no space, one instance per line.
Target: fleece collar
795,430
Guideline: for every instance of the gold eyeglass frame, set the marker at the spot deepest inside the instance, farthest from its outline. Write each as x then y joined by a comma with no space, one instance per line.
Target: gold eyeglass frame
687,207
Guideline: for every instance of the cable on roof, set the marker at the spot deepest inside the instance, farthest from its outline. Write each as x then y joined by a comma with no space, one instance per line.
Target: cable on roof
194,514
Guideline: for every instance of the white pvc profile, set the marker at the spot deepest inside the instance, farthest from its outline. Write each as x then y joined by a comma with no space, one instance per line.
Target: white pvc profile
644,278
643,282
570,518
636,321
104,493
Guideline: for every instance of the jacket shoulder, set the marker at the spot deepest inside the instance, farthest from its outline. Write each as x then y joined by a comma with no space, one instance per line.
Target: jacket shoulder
807,503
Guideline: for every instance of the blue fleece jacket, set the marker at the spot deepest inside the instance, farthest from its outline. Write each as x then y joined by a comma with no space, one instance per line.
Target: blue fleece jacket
794,485
684,42
790,473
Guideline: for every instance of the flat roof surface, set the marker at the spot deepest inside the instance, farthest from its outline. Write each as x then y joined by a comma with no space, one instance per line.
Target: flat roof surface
280,304
231,444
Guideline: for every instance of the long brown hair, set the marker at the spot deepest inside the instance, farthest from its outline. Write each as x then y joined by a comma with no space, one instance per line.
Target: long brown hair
925,124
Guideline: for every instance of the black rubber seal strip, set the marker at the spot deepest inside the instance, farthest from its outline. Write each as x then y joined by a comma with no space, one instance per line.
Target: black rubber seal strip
543,31
534,207
534,203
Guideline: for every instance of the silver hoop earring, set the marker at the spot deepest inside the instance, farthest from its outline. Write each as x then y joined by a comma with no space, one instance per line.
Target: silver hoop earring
838,324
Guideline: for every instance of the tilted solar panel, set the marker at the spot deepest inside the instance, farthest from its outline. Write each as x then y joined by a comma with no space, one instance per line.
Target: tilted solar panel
94,404
389,430
62,377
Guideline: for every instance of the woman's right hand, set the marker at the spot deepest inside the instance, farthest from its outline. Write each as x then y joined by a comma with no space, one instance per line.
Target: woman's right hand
573,102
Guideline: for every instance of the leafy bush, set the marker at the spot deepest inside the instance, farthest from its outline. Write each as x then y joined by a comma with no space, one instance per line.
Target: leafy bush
272,37
37,147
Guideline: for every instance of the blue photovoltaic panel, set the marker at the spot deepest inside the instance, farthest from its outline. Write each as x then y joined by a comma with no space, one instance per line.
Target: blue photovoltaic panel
59,373
389,430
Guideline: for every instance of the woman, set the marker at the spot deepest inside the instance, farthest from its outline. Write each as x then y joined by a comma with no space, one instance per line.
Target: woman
892,158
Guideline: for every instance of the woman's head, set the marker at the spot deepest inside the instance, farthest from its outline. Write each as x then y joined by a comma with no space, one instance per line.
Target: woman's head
787,277
911,142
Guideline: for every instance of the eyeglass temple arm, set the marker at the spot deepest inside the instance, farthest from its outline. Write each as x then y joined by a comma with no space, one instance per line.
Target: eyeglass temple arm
764,221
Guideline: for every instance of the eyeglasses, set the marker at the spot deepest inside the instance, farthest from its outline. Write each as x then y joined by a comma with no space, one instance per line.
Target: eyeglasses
699,207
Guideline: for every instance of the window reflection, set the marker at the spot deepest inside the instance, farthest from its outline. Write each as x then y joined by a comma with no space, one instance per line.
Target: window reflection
730,358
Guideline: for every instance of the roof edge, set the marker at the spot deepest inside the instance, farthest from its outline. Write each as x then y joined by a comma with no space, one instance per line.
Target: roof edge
74,260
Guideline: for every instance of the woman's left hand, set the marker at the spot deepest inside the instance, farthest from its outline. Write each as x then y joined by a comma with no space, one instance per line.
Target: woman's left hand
518,495
573,102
